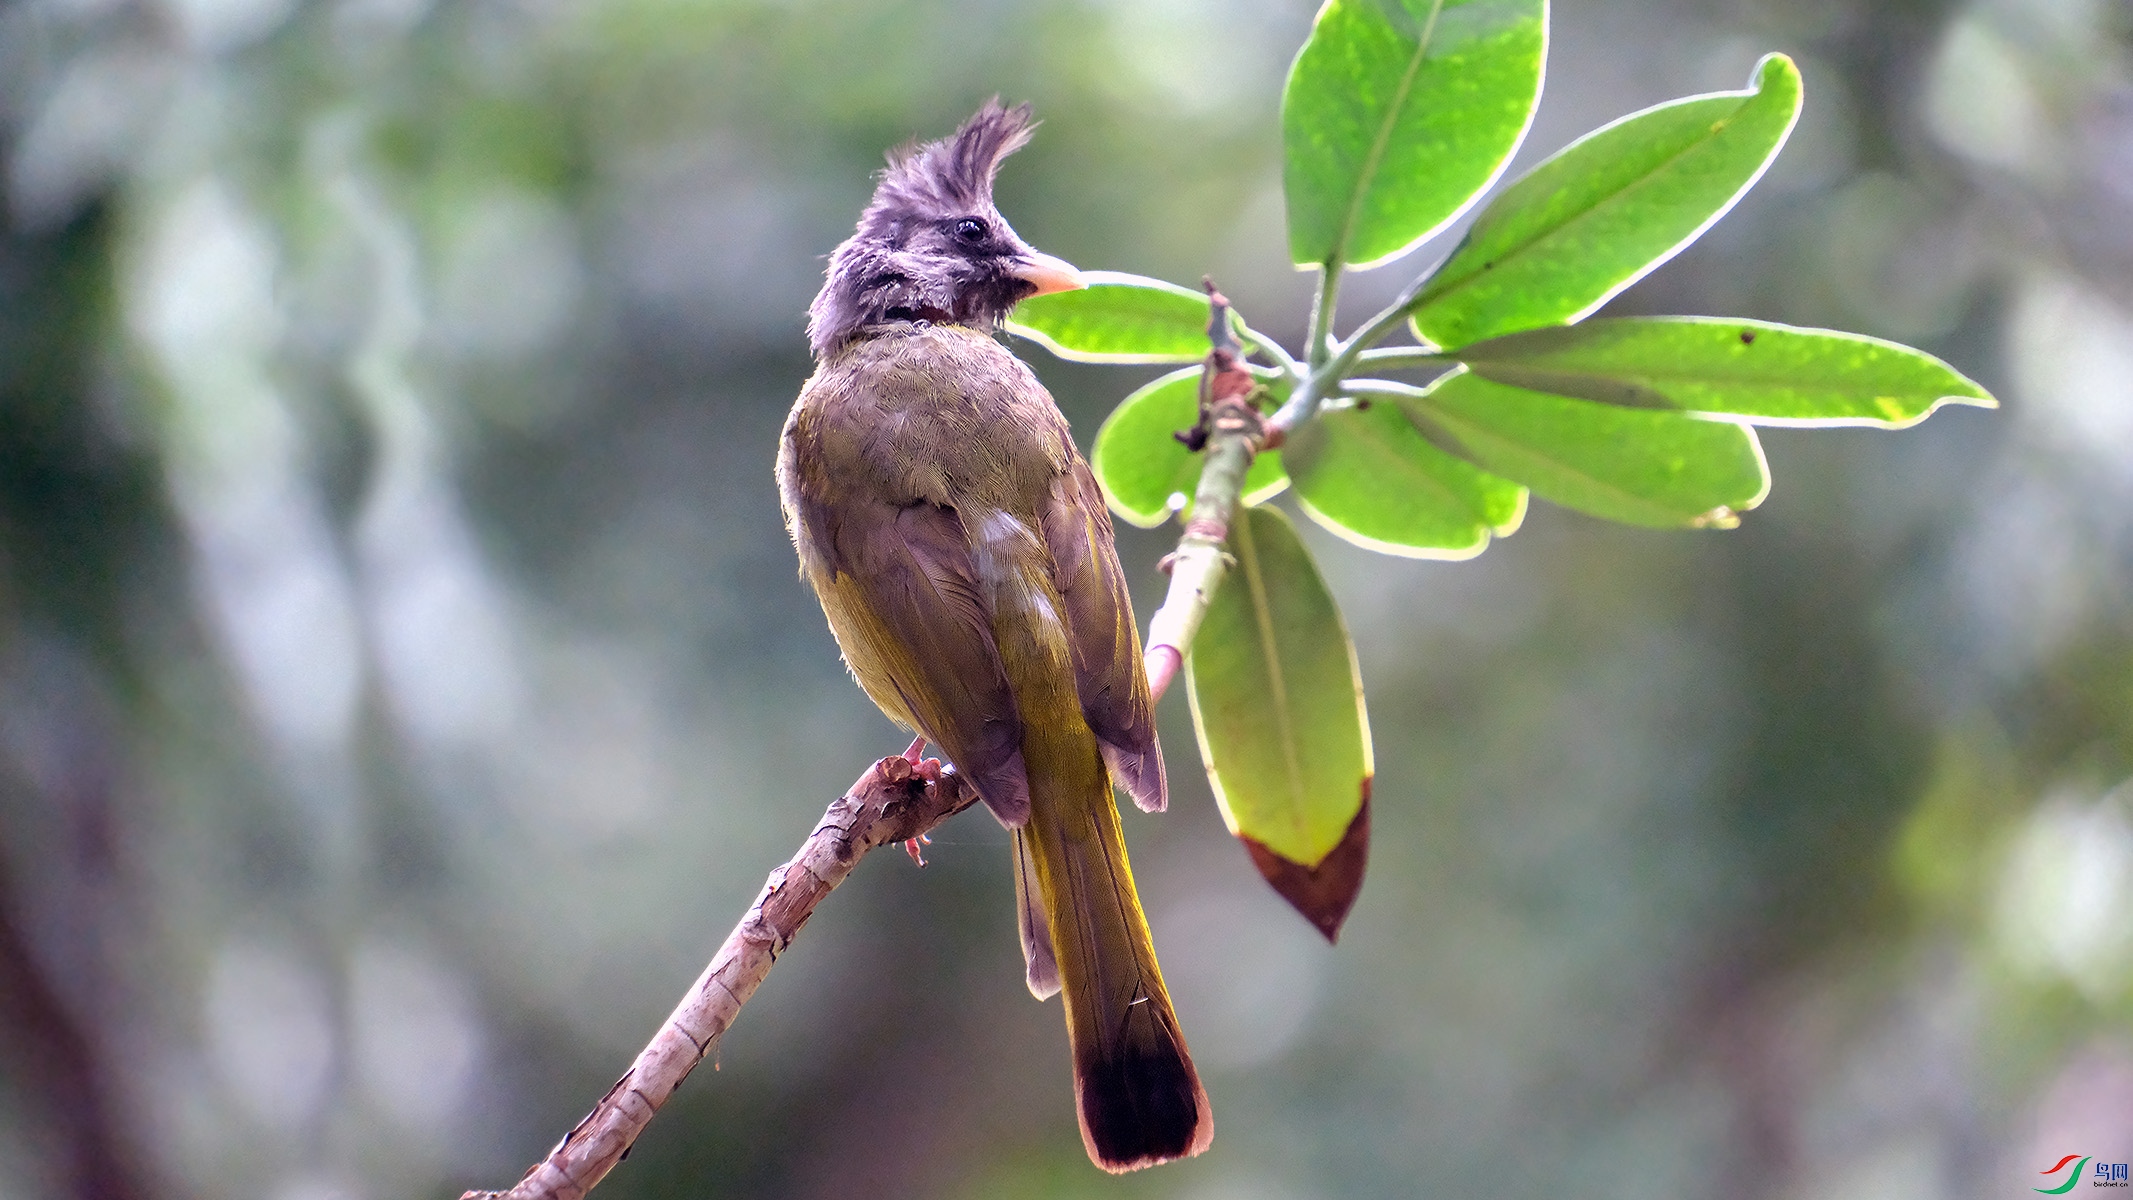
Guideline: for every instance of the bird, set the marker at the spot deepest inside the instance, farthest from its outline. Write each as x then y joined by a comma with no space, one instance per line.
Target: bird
963,554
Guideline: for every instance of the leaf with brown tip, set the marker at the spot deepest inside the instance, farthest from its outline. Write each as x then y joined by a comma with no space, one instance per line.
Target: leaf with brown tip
1324,893
1277,702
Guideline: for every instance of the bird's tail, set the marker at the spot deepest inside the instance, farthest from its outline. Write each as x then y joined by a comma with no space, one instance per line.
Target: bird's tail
1139,1097
1140,1100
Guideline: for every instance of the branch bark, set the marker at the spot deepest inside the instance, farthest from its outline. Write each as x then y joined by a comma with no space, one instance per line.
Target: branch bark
1233,433
895,801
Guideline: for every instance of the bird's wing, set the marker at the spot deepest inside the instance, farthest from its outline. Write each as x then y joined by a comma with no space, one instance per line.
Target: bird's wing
902,597
1108,674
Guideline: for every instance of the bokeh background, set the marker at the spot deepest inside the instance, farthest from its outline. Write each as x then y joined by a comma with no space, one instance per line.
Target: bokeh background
405,682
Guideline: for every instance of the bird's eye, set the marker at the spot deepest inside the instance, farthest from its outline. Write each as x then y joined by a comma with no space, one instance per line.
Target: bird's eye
970,230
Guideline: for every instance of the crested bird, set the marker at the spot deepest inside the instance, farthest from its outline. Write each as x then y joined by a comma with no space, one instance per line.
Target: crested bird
961,549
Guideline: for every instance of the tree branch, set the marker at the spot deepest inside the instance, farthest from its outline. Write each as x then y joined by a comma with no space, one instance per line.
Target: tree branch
895,801
1324,378
1234,433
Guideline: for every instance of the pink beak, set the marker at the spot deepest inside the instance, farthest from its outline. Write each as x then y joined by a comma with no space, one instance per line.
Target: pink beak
1049,274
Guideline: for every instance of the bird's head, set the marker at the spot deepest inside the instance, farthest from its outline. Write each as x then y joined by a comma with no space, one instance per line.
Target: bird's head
931,246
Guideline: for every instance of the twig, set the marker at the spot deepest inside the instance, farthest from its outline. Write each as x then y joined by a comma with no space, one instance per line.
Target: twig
1234,433
888,804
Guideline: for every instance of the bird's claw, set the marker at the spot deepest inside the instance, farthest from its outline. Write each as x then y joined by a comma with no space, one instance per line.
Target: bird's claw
909,767
900,767
927,770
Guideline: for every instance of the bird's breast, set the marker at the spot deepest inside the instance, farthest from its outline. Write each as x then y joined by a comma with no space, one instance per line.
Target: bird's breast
937,414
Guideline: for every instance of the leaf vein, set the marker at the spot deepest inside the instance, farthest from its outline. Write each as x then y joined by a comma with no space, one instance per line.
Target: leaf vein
1607,203
1367,177
1277,686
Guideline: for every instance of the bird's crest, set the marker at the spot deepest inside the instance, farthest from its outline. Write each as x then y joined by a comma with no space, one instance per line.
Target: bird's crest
951,176
904,255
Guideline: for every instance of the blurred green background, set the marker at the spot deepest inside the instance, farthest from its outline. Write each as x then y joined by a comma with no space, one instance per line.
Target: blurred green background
405,681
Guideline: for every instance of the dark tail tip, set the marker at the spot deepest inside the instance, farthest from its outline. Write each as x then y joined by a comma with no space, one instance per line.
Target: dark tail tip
1143,1105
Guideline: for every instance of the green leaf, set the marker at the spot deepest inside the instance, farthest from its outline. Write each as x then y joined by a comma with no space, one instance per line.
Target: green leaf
1146,473
1118,318
1769,374
1608,208
1638,465
1398,114
1366,474
1277,699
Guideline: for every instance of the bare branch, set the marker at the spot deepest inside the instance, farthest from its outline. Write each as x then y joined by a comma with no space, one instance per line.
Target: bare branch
1233,433
895,801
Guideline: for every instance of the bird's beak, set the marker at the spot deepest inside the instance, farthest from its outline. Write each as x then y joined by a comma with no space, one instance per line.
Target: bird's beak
1048,274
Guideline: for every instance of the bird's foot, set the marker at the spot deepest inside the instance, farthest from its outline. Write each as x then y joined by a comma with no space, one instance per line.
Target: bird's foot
910,769
927,770
898,768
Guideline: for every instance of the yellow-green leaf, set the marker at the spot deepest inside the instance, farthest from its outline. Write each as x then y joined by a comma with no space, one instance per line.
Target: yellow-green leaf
1641,466
1117,318
1765,373
1366,474
1277,699
1146,473
1397,114
1607,209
